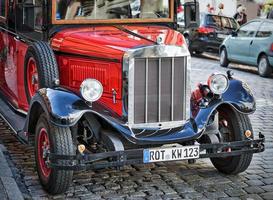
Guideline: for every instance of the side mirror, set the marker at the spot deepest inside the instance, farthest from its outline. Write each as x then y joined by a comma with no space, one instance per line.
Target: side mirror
191,14
234,34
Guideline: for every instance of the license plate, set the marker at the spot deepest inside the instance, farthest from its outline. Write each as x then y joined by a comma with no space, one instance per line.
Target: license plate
222,36
170,154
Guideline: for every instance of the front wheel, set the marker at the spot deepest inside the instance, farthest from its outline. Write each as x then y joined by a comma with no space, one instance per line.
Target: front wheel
51,139
224,58
232,127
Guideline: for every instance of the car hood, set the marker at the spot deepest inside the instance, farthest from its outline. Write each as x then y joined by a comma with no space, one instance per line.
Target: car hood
112,42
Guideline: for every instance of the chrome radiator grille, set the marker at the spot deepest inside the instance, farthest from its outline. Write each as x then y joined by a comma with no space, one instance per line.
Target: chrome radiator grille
159,89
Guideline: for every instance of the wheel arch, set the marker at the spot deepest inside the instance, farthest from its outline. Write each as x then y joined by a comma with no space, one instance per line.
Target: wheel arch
260,55
34,113
222,47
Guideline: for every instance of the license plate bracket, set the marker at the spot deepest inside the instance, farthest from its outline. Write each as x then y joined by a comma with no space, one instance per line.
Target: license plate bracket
171,154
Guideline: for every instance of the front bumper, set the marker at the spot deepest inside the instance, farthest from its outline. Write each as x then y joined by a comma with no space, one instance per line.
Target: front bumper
205,44
135,156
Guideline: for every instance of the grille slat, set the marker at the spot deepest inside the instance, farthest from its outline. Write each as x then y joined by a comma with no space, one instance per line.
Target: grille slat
172,96
159,89
146,89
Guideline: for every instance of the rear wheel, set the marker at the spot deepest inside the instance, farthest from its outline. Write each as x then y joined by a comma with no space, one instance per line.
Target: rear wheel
198,52
41,69
232,127
51,139
264,67
187,40
224,58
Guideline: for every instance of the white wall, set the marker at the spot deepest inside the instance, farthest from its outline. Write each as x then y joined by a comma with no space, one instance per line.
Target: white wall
229,6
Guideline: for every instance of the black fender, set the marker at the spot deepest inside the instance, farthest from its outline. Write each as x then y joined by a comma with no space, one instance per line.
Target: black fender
238,96
64,108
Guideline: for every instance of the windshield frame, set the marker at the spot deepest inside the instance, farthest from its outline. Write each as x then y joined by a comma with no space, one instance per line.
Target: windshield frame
111,21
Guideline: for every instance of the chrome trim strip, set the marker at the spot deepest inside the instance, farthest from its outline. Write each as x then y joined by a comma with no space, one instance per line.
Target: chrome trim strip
146,89
155,51
188,88
185,86
172,95
131,81
159,89
162,125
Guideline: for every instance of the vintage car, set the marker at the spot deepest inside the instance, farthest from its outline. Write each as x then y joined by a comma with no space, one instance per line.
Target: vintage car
106,83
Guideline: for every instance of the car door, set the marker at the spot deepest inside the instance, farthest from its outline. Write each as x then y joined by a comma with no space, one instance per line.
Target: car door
239,44
7,71
261,42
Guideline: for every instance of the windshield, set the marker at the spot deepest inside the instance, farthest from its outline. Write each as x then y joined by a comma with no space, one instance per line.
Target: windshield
84,11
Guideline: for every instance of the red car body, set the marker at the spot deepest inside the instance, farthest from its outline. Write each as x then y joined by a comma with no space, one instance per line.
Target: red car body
139,68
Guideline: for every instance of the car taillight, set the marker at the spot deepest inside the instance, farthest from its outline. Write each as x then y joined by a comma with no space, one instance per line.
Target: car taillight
180,9
271,48
205,30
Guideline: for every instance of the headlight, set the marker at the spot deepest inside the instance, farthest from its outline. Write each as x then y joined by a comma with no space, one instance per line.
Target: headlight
218,83
91,90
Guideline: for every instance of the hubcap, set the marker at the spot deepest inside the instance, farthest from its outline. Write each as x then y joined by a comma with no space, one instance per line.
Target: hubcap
43,152
32,77
225,131
263,65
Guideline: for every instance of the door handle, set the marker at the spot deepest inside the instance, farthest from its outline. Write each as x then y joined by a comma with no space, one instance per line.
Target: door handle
251,42
17,38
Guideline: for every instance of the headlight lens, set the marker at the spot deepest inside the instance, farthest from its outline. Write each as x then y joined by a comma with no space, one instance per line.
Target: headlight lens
218,83
91,90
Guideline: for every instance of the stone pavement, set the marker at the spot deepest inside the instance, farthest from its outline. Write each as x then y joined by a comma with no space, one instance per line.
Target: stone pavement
8,186
175,180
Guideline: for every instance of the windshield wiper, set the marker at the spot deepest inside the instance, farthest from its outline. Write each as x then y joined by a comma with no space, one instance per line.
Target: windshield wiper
134,34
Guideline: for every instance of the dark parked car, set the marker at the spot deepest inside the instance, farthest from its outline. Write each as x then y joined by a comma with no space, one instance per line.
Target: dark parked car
255,40
211,32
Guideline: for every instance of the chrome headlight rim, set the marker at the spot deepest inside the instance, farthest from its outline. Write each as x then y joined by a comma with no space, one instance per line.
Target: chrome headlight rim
211,82
87,83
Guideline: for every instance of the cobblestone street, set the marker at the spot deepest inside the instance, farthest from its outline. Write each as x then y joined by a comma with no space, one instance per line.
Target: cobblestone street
175,180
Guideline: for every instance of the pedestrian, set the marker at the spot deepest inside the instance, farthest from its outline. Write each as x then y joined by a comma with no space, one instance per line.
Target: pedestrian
221,9
240,16
270,14
210,9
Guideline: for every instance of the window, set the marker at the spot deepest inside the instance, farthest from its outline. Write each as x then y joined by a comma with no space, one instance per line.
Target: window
265,30
249,29
30,14
3,8
229,23
80,10
213,20
29,18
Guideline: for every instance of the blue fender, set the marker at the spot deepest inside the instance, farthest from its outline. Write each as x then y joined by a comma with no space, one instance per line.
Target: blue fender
65,108
238,96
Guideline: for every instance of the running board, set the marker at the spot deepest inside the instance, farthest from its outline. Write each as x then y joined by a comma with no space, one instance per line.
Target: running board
15,120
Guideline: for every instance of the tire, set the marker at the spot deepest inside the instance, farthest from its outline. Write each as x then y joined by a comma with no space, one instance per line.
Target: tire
187,40
198,52
224,62
236,124
40,68
264,68
57,140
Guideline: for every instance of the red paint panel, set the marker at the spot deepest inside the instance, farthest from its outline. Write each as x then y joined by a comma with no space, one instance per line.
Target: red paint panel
108,73
110,42
21,52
